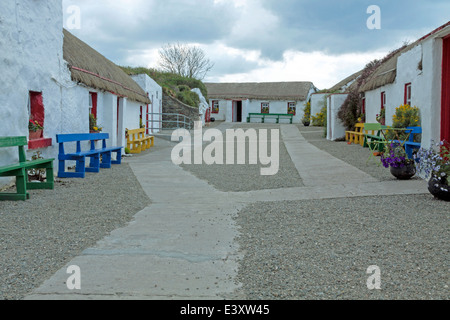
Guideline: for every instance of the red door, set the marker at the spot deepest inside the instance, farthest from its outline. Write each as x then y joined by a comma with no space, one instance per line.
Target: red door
445,117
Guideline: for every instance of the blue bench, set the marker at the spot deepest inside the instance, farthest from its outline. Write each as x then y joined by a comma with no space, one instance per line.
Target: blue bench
410,145
80,156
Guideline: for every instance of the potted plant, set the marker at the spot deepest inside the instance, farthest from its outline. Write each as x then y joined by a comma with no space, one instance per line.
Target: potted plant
397,161
381,118
93,127
35,130
433,164
306,120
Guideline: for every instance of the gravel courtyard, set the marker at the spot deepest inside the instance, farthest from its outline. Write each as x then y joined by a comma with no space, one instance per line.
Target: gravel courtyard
291,250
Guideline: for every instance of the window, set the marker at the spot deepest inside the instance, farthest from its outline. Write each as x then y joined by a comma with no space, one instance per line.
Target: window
408,93
292,108
93,103
265,107
37,122
383,100
215,106
36,110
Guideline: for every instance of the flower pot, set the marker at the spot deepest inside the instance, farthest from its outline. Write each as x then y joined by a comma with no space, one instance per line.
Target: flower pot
405,173
34,135
306,124
439,190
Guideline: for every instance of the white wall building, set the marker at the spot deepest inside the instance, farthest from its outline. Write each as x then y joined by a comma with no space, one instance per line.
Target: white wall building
50,76
418,75
153,117
233,102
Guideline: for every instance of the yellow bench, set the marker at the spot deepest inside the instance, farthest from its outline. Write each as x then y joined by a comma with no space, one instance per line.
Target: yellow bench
357,136
137,141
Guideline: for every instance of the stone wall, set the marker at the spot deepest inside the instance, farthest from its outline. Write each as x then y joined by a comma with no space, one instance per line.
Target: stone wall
172,105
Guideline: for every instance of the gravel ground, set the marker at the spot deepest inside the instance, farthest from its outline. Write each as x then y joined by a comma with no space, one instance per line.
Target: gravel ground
322,249
40,236
293,250
353,154
239,178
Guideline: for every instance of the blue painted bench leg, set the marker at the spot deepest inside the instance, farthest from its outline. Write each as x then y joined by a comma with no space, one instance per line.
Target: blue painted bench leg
119,157
94,164
106,160
63,174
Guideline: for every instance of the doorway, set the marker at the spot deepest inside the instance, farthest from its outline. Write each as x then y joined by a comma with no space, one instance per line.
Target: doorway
237,111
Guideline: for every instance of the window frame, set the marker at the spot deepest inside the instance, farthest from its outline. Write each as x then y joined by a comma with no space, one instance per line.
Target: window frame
408,94
292,105
215,110
265,105
383,100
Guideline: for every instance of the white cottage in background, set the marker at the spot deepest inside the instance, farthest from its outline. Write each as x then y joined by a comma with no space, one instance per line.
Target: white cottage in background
153,113
418,75
232,102
333,99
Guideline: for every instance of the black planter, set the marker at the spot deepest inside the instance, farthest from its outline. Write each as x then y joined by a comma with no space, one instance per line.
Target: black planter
306,124
439,190
405,173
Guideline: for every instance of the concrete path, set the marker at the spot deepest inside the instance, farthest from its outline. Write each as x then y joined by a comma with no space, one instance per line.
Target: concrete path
182,246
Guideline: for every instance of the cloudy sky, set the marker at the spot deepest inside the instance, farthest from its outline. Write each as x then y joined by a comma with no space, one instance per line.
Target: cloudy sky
322,41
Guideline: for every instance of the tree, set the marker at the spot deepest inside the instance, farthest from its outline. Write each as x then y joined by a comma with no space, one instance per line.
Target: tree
186,61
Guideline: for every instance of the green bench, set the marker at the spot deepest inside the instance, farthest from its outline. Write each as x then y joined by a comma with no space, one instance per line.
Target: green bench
276,116
19,170
373,139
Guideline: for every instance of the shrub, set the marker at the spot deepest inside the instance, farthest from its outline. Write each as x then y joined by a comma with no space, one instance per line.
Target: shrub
319,120
307,113
406,116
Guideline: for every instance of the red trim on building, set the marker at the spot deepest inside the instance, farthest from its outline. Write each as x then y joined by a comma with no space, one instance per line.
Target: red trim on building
39,143
408,93
94,97
383,100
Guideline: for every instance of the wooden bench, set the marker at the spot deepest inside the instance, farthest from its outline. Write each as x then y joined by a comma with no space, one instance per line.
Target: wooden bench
357,136
19,170
276,116
410,145
373,136
80,156
138,142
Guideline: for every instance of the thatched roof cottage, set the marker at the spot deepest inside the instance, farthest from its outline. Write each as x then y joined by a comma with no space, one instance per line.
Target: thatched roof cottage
232,102
418,75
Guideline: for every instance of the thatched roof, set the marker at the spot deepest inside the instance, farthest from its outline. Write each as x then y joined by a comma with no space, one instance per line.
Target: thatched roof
95,71
386,73
297,91
344,84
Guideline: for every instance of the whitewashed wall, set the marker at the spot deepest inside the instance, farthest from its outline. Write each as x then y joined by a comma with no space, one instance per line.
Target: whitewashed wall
30,60
317,102
426,88
155,94
221,116
254,106
335,127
